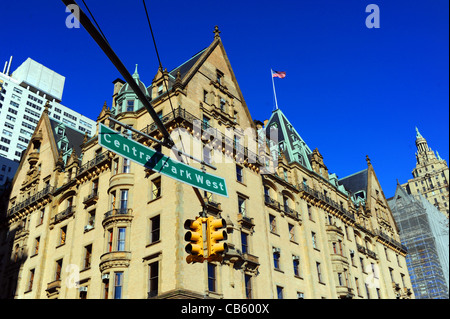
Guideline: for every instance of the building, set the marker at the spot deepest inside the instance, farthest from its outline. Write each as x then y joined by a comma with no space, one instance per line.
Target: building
96,225
23,95
7,169
424,231
430,176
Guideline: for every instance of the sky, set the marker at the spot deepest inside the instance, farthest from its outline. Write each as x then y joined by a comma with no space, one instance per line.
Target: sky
349,90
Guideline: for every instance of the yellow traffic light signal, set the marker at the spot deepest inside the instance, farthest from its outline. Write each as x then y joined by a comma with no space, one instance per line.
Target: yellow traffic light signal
215,233
195,237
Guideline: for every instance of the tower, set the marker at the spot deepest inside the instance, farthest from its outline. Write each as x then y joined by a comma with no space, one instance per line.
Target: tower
430,176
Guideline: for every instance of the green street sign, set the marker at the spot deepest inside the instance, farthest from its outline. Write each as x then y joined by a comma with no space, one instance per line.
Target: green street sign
149,158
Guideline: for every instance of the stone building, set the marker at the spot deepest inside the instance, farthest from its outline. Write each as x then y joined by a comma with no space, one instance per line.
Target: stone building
430,176
96,225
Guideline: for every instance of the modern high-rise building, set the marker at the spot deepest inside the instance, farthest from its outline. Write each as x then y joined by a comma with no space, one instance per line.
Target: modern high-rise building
98,225
424,231
23,95
430,176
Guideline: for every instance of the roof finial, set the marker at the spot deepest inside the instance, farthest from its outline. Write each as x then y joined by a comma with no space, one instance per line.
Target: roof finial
418,133
368,160
216,32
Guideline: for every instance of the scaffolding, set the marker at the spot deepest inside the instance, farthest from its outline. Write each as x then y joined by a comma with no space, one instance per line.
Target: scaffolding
424,231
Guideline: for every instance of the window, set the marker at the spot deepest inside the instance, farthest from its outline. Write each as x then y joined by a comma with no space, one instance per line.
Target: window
87,256
279,292
153,279
391,273
106,288
241,205
91,218
160,89
156,188
121,238
273,223
276,258
41,217
244,242
116,166
118,285
154,229
36,245
205,122
239,176
126,165
63,235
130,105
367,290
58,269
314,240
222,105
123,201
219,76
30,280
319,272
205,96
296,264
110,241
248,286
300,295
310,212
211,277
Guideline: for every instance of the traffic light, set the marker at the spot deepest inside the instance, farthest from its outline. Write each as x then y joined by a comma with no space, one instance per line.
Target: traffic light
216,233
195,237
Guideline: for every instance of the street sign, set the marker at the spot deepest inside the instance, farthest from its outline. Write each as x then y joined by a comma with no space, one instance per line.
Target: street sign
149,158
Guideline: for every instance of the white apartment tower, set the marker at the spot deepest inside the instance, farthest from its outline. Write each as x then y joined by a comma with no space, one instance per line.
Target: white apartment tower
23,95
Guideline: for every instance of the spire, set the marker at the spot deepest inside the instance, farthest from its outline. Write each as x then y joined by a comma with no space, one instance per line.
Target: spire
136,74
418,135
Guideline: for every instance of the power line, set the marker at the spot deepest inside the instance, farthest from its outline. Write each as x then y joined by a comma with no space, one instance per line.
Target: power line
92,16
161,68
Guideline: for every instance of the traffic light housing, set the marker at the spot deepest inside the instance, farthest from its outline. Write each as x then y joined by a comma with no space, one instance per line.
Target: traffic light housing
195,238
215,234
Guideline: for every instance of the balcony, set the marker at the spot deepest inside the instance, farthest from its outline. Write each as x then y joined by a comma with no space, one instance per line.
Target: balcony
99,159
245,221
389,240
327,202
212,206
272,203
92,198
291,213
344,292
69,211
41,195
114,259
218,137
118,214
53,288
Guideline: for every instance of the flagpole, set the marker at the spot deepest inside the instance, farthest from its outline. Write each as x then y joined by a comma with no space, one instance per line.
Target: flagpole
274,93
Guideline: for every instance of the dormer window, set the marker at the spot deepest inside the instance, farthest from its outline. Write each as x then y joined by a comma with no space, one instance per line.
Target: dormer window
219,77
160,89
130,105
60,131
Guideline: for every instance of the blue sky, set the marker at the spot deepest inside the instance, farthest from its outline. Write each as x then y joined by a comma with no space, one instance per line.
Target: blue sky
350,91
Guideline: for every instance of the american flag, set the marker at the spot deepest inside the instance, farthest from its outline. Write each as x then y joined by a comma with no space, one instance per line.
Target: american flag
278,74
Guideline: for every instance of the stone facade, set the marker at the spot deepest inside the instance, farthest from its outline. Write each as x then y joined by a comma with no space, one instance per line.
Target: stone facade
96,225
